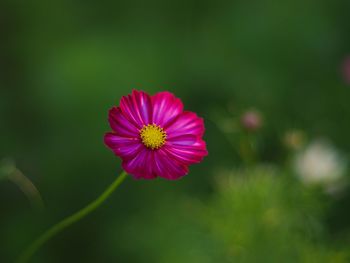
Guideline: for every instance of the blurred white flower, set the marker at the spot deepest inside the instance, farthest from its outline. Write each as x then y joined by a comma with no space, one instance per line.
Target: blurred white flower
320,164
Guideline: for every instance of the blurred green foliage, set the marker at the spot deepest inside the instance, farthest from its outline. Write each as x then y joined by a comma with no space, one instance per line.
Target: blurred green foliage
63,64
255,215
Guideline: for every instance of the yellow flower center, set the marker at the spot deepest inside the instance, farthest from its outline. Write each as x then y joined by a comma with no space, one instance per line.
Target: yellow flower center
152,136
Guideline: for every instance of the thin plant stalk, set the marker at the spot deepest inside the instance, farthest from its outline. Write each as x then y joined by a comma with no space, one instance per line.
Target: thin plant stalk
68,221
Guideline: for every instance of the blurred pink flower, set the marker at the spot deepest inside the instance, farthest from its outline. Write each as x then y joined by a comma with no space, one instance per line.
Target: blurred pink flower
251,120
154,136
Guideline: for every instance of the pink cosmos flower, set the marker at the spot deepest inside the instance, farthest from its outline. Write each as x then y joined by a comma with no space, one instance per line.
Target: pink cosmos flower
154,136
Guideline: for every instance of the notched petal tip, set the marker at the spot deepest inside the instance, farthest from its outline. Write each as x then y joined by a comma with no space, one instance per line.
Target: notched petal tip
166,107
137,108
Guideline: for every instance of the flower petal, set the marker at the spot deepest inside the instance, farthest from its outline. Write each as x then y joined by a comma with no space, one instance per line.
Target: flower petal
166,107
142,166
126,148
121,125
186,150
137,108
168,168
186,123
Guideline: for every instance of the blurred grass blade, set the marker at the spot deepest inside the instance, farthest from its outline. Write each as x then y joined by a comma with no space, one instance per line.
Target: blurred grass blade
9,171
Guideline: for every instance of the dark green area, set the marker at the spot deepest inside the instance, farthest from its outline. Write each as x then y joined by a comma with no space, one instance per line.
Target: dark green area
63,64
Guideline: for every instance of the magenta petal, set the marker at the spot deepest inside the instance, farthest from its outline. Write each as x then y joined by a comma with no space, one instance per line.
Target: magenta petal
186,139
137,108
168,168
165,108
186,151
126,148
186,123
142,166
120,124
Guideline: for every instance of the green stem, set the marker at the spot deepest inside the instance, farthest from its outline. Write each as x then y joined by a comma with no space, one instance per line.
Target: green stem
247,149
29,252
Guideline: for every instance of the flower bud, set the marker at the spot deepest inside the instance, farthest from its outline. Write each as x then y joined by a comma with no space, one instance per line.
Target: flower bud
251,120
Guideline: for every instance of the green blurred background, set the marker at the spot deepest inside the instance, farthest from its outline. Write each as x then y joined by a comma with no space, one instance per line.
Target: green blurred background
63,64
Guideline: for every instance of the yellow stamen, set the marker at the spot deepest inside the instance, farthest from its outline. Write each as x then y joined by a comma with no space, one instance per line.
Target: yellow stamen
152,136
